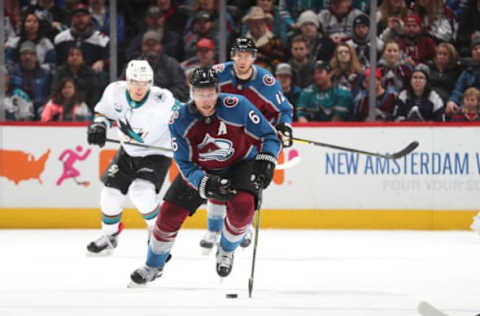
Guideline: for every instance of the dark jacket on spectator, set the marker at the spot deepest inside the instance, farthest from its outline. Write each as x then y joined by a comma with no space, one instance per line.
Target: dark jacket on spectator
35,83
470,77
443,82
468,22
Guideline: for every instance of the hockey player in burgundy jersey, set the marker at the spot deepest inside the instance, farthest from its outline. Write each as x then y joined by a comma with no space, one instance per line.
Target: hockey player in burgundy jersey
225,149
258,85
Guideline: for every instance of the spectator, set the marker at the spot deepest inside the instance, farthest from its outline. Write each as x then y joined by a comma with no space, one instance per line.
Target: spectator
93,43
444,70
323,101
468,23
301,62
361,42
470,77
418,102
337,21
346,69
205,56
417,47
284,75
437,20
278,26
30,31
202,27
11,11
292,9
175,19
321,47
470,107
17,104
8,29
87,82
390,17
53,18
269,47
65,104
168,72
211,6
395,74
30,77
101,20
171,40
385,99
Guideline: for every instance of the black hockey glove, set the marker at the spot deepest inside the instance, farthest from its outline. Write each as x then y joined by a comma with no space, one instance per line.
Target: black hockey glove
216,187
263,168
97,134
285,131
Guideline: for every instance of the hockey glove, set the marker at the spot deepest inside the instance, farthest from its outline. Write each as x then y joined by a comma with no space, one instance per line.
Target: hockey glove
263,168
216,187
97,134
285,131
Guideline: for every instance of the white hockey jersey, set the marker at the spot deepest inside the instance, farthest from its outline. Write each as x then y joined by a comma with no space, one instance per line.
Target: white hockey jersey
144,122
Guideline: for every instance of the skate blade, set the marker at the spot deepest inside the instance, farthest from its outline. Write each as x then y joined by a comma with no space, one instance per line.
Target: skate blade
104,253
133,285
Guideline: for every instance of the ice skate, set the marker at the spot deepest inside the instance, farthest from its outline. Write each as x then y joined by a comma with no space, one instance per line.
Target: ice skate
104,245
247,240
209,240
143,275
476,224
224,262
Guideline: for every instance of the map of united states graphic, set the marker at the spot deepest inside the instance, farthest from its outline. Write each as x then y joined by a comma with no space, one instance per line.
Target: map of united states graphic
16,165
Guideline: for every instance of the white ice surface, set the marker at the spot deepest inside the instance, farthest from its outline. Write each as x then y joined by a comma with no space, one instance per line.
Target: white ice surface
298,272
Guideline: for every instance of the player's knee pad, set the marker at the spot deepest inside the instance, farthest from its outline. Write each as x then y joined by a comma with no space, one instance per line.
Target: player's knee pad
143,196
240,209
111,201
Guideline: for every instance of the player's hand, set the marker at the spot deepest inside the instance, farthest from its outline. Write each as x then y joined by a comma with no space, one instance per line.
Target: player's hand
286,134
97,134
216,187
263,169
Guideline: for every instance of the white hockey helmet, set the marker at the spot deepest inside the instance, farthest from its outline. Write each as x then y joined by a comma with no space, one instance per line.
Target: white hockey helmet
139,70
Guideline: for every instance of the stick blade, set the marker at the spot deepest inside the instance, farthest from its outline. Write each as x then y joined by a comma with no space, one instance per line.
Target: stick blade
411,147
426,309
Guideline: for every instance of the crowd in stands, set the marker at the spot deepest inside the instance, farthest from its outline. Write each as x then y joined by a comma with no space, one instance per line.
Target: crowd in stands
428,54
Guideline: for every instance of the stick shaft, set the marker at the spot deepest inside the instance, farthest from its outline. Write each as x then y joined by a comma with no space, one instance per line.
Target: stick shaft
110,140
255,243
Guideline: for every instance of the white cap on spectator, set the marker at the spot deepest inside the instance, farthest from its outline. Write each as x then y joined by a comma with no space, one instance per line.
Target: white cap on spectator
283,69
27,46
307,16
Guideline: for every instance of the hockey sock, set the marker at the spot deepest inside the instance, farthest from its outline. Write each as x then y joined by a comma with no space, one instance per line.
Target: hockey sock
151,217
239,215
169,221
110,224
215,214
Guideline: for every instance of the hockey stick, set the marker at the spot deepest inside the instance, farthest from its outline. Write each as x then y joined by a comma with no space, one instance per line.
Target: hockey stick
110,140
289,164
411,147
426,309
255,243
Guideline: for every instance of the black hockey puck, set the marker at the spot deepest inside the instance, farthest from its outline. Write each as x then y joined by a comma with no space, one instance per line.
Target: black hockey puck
231,295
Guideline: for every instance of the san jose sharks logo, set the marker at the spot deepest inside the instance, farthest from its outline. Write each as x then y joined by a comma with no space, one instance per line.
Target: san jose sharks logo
219,149
137,134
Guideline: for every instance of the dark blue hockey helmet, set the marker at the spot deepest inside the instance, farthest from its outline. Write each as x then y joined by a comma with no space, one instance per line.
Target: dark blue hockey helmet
243,44
204,77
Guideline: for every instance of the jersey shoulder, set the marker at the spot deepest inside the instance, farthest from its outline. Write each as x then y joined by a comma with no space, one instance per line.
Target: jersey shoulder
115,88
264,80
233,107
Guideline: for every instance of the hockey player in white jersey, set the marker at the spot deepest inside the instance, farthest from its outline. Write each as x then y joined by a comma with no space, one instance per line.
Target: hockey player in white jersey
142,112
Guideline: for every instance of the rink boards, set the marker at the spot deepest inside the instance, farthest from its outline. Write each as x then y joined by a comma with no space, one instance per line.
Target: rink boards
435,187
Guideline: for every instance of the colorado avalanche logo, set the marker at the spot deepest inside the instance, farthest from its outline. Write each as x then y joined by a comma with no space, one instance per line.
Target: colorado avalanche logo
268,80
218,67
219,149
230,102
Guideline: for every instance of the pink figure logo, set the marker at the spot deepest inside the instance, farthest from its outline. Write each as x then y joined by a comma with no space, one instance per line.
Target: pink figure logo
68,158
